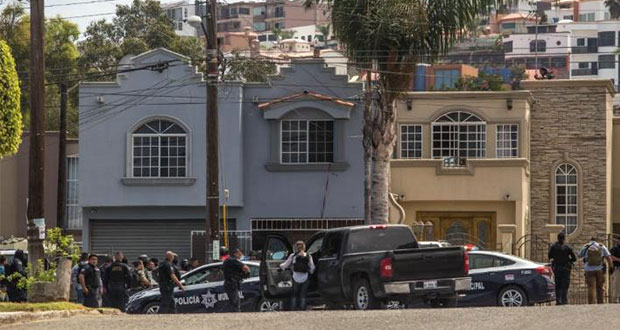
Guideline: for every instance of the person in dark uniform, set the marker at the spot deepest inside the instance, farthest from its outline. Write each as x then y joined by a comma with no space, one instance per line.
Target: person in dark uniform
562,259
167,280
116,281
234,272
90,280
17,265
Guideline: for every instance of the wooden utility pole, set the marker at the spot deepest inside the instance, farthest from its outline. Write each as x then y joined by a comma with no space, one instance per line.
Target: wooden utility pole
37,132
213,192
61,199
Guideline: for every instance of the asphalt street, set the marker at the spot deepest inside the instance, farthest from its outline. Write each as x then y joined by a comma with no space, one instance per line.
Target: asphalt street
581,317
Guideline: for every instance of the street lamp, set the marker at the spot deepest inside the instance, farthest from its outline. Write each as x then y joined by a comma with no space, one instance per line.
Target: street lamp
196,22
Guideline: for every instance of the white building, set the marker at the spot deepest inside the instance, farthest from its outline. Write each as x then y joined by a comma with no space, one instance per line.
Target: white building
587,47
178,12
578,11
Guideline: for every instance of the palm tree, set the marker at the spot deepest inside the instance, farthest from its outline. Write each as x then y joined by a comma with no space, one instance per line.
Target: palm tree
614,8
389,37
324,30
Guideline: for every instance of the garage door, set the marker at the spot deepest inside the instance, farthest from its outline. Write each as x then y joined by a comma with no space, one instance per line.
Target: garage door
137,237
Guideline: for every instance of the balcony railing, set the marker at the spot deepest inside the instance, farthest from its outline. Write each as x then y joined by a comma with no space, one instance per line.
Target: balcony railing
584,49
584,72
455,162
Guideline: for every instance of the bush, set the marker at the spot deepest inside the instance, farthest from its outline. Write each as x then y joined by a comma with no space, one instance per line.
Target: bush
10,113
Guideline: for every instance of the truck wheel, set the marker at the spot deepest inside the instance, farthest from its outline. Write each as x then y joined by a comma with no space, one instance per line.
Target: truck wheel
265,305
512,296
363,298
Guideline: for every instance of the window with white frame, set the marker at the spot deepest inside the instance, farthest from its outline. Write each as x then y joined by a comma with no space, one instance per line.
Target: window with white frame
566,190
459,134
507,141
73,210
307,141
410,141
159,150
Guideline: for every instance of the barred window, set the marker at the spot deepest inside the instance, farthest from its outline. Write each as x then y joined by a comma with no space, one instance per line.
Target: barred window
73,210
159,150
507,142
459,134
410,141
307,141
566,189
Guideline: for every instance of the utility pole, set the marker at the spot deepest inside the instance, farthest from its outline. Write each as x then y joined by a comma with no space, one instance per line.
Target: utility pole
61,199
37,133
213,192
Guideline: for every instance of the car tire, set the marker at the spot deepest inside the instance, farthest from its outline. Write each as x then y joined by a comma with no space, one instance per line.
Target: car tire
266,305
151,308
363,298
512,296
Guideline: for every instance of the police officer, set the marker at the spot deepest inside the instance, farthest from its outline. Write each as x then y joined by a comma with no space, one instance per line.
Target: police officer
234,272
167,280
17,265
117,280
90,280
562,259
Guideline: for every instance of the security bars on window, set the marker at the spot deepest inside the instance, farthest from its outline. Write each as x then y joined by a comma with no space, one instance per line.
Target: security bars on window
507,141
459,134
307,141
73,209
566,188
159,150
410,141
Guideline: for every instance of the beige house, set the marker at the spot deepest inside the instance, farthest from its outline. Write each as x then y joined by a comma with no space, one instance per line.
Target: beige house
500,169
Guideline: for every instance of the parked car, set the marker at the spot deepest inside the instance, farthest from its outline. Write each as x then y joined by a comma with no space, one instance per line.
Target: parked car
367,267
9,254
204,293
499,279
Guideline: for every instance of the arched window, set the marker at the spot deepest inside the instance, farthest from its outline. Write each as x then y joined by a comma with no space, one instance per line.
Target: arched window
459,134
159,150
567,203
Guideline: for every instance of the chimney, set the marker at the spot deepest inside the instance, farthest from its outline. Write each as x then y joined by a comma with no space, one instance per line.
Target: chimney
317,52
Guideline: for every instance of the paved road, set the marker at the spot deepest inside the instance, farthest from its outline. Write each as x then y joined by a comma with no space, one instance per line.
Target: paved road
536,318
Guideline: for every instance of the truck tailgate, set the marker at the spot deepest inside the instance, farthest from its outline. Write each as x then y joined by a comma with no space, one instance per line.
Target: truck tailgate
433,263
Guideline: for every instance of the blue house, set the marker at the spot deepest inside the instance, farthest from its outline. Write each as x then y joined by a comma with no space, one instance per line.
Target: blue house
291,157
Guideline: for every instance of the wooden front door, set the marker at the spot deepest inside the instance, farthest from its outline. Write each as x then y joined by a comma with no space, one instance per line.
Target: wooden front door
462,228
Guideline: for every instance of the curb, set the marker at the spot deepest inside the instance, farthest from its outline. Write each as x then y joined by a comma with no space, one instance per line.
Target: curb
23,317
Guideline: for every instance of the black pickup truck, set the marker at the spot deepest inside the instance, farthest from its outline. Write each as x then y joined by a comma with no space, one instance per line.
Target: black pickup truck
367,267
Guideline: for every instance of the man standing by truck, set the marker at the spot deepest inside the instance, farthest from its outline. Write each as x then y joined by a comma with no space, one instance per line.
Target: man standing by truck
562,259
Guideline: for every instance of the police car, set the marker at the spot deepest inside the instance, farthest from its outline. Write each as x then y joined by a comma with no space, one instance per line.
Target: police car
204,293
499,279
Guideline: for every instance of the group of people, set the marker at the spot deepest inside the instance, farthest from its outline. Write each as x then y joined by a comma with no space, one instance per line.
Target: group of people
597,260
17,265
110,284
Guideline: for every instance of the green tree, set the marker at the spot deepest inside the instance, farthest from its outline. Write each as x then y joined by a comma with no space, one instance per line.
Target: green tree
137,28
324,30
390,36
484,82
614,8
61,57
240,67
10,113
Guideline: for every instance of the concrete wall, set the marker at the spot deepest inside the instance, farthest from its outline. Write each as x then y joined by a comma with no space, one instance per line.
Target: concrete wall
300,192
14,185
572,122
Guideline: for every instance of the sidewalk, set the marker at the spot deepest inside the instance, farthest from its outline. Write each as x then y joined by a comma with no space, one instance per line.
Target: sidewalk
8,318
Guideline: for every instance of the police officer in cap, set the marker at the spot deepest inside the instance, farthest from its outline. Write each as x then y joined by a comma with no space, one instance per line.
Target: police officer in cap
90,279
117,280
167,280
234,272
562,259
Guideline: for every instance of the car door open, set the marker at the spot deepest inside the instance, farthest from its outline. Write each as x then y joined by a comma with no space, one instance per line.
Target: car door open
276,282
